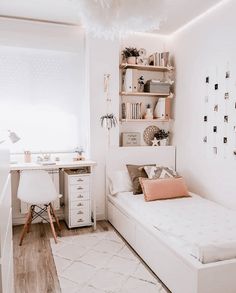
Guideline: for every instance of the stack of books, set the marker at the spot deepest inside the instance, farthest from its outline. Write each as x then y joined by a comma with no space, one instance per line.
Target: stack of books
131,110
159,59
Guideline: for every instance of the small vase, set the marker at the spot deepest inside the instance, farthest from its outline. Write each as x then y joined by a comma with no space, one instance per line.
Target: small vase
163,142
131,60
148,114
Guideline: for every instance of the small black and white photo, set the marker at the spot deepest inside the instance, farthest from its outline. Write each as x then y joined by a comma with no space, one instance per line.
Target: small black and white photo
216,86
216,108
207,79
205,118
215,150
227,74
226,96
225,139
215,129
226,118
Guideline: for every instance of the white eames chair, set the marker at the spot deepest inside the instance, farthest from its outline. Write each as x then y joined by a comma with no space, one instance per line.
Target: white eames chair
37,189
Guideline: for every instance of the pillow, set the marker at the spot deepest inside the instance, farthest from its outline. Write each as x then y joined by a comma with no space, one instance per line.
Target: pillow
154,189
154,172
136,171
119,181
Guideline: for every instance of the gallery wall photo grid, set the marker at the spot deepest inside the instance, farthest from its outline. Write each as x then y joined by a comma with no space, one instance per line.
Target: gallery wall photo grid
219,113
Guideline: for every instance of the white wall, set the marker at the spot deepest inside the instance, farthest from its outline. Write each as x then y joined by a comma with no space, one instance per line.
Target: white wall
102,58
206,47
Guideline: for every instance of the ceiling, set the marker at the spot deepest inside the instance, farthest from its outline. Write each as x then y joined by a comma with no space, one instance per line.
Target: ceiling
177,12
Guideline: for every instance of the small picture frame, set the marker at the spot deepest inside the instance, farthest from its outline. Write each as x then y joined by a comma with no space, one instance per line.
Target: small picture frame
227,74
226,118
226,96
214,129
205,118
216,108
207,79
130,139
225,139
216,86
215,150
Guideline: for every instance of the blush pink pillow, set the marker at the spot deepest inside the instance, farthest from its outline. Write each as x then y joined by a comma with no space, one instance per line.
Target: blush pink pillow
167,188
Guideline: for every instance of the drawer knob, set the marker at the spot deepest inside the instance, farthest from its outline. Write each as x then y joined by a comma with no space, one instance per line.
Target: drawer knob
79,213
80,204
80,180
78,188
80,220
80,196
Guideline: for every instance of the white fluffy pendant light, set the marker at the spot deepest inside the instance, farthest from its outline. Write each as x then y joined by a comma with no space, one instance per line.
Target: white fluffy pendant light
112,18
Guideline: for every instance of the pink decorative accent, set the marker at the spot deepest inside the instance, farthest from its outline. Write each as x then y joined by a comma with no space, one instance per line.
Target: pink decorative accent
154,189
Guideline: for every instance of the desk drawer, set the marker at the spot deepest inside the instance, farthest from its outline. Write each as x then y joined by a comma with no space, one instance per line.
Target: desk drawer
80,180
78,204
83,211
77,220
84,195
78,188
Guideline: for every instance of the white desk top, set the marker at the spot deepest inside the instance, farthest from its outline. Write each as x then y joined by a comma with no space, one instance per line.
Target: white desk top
58,165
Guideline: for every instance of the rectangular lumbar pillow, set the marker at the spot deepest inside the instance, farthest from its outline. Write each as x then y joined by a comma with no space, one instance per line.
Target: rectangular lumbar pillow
167,188
135,172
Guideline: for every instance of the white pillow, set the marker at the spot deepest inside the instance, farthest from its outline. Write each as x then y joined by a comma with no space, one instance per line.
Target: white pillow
119,181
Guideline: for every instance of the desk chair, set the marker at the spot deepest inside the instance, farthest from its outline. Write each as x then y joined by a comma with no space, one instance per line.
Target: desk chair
37,189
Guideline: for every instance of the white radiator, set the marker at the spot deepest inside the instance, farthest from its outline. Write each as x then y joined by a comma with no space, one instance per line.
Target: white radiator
54,174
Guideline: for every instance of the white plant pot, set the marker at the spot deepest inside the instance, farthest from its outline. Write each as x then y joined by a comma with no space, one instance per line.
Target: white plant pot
163,142
131,60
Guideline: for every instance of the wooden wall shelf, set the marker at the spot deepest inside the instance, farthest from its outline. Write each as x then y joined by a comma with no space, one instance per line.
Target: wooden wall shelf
145,67
144,120
143,94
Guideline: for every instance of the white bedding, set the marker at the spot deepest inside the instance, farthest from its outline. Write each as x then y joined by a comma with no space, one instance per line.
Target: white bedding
201,227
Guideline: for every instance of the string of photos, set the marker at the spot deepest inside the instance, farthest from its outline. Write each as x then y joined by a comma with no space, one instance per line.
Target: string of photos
219,114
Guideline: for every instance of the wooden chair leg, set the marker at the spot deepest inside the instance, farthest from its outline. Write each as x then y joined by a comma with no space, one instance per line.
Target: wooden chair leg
25,226
51,223
31,218
55,217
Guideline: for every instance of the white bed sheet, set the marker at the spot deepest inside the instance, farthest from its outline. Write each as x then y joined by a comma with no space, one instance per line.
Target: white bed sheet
200,227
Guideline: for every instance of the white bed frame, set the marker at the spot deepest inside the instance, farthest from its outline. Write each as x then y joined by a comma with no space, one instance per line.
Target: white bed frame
180,272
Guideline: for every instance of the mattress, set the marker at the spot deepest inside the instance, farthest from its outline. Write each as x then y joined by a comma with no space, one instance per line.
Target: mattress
202,228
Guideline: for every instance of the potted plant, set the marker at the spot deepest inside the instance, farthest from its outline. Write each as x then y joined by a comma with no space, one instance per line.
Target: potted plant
162,136
130,54
108,121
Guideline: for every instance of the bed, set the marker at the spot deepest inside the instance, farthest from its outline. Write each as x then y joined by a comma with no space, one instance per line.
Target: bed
189,243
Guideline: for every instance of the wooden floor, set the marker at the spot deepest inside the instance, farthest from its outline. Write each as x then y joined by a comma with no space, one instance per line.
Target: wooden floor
34,268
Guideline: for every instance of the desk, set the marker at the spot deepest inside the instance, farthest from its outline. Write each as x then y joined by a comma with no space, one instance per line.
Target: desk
59,168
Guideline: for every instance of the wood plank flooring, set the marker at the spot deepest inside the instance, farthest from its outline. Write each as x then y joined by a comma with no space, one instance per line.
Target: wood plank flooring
34,269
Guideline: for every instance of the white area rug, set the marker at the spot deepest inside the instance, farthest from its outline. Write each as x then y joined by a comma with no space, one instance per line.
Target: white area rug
101,262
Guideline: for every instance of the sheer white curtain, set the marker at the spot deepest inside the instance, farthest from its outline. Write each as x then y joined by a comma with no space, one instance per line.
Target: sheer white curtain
42,98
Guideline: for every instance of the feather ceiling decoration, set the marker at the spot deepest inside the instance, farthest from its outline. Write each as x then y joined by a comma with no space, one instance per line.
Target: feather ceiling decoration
112,18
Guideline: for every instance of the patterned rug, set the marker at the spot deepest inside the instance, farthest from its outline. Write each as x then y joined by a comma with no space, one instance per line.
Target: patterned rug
101,262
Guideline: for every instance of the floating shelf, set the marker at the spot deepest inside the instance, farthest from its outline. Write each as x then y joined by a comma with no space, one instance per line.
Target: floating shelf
145,120
143,94
146,67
